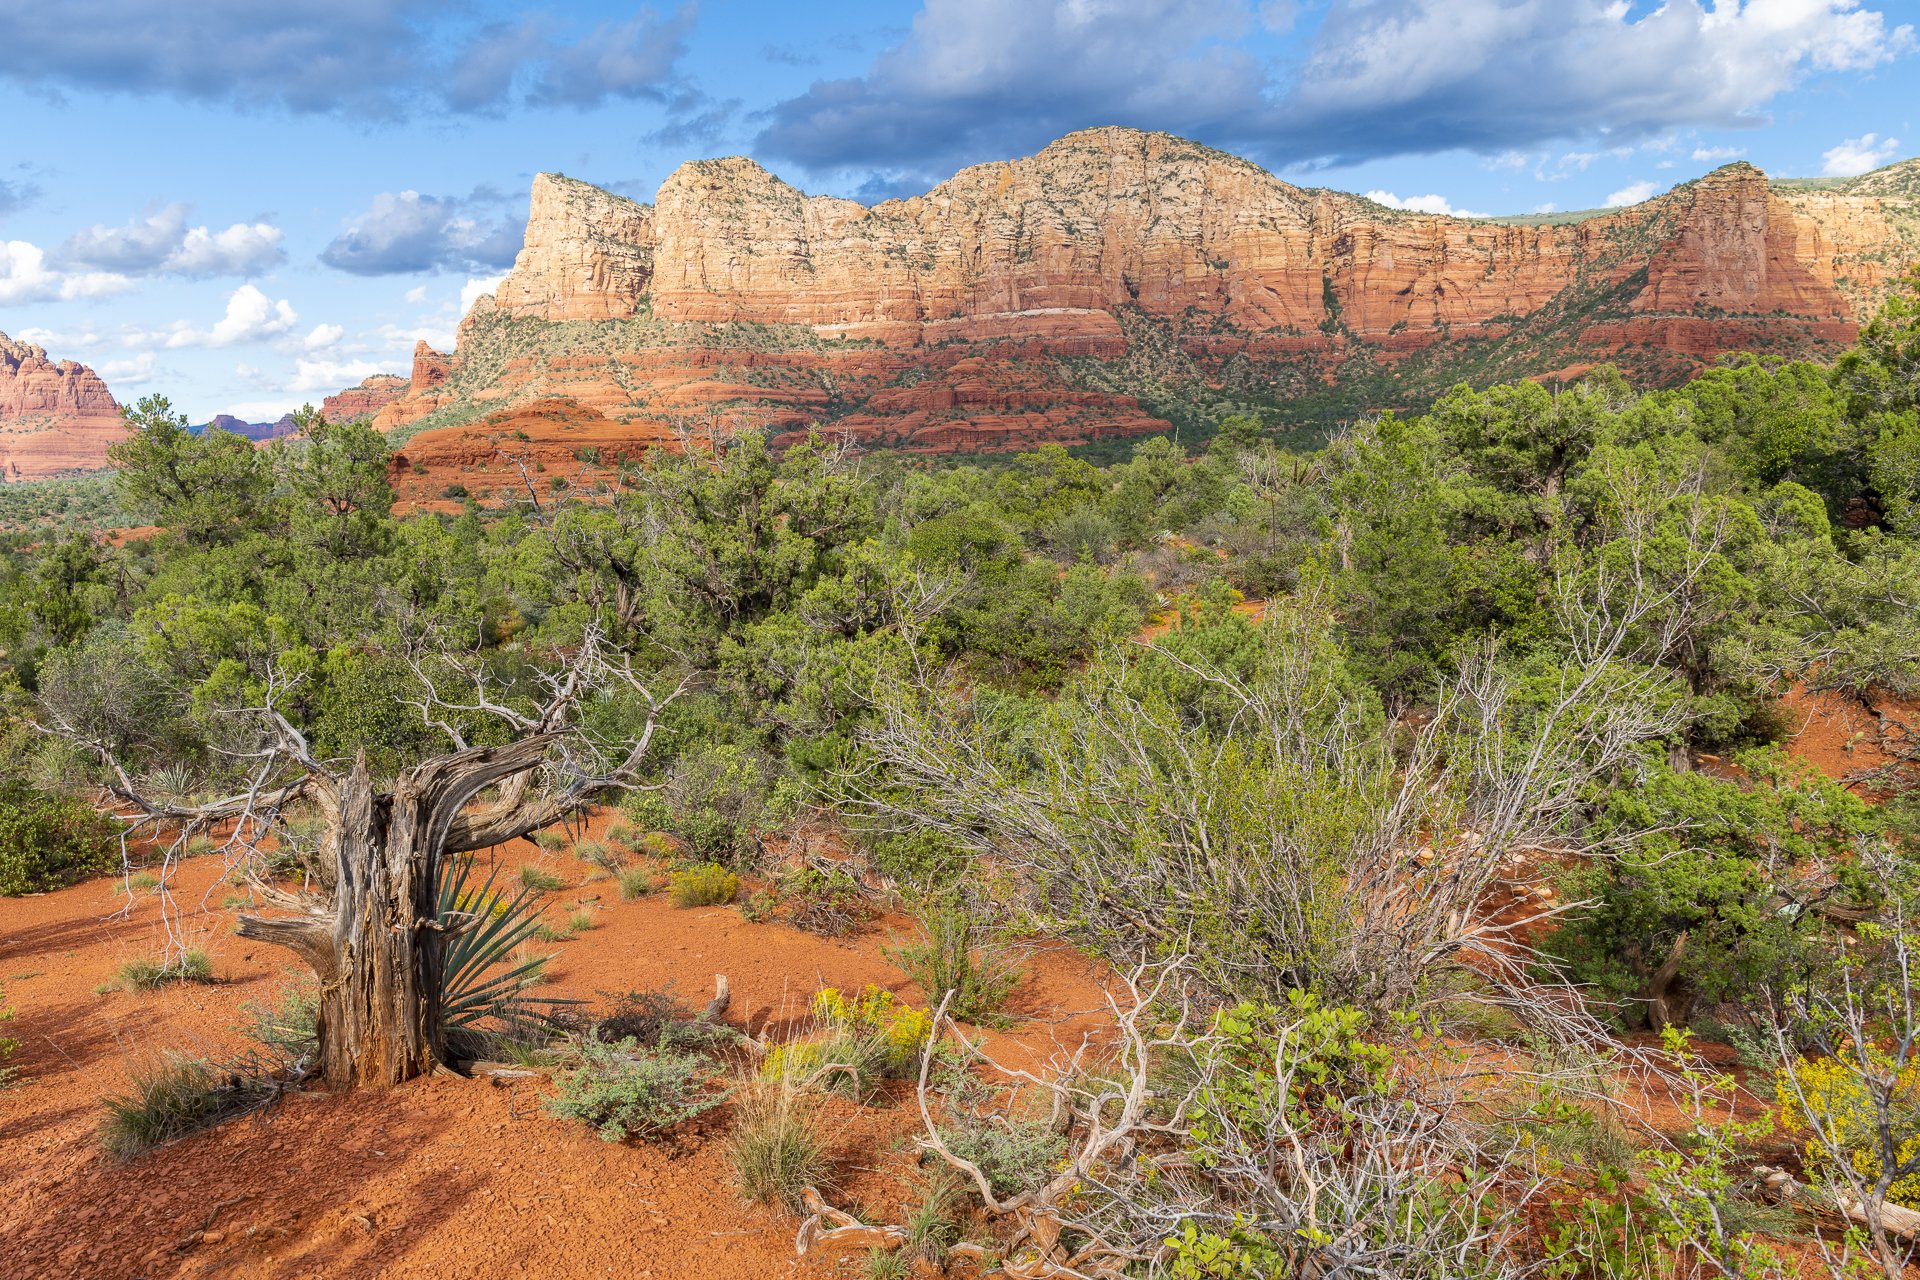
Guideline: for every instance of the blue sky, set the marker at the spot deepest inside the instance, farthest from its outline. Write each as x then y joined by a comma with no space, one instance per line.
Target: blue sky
245,206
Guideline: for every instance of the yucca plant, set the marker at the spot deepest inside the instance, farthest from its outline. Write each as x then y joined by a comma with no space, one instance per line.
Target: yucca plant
470,989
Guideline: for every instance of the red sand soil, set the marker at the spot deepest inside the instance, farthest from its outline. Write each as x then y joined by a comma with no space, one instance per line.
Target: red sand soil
1846,736
443,1177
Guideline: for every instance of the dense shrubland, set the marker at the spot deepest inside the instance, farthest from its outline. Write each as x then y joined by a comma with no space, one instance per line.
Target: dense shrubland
1406,781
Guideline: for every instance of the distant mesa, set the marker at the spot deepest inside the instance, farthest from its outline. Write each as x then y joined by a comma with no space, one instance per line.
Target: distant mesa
257,431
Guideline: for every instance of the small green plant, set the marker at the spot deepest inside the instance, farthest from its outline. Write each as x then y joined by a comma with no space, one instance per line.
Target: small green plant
540,880
544,932
7,1043
954,954
172,1096
624,834
550,840
635,882
707,885
288,1028
776,1149
624,1090
581,921
193,965
143,881
882,1265
597,853
1014,1154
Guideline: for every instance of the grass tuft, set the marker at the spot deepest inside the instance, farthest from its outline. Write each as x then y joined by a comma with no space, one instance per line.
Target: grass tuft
636,882
776,1149
540,879
147,975
171,1097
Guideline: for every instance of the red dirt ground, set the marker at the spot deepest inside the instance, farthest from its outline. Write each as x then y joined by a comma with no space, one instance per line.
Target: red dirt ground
444,1177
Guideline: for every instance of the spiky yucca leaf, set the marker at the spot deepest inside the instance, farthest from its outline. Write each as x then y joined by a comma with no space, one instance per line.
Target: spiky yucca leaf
469,992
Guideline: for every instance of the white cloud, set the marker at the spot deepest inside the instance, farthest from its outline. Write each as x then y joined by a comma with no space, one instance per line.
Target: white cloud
163,244
1856,156
239,250
1632,193
477,285
1718,155
416,295
135,372
250,317
1422,204
978,79
1548,207
324,336
26,277
329,376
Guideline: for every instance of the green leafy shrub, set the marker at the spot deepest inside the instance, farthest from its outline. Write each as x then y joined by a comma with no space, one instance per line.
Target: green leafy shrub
47,841
708,885
1014,1154
956,954
624,1090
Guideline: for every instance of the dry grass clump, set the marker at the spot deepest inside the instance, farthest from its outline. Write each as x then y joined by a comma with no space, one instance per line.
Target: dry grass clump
635,882
171,1096
776,1148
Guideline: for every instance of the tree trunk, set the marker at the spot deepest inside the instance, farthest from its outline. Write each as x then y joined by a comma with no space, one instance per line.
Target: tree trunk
380,955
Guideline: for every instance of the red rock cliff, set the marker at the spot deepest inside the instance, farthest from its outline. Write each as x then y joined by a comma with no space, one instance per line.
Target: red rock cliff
56,418
1044,297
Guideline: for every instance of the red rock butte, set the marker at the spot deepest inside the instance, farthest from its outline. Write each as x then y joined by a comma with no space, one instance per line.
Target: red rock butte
1113,283
56,417
1092,289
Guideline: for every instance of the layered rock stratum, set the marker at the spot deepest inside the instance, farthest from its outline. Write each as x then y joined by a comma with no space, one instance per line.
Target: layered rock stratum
1114,284
56,416
1120,281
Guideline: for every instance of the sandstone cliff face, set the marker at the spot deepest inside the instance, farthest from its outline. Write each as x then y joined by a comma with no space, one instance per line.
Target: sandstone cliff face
365,400
56,418
1119,276
588,255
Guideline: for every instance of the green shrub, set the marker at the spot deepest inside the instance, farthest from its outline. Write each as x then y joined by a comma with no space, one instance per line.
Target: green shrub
635,882
171,1097
581,921
955,954
624,834
776,1149
621,1089
550,840
540,880
1014,1154
146,975
47,841
709,885
544,932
